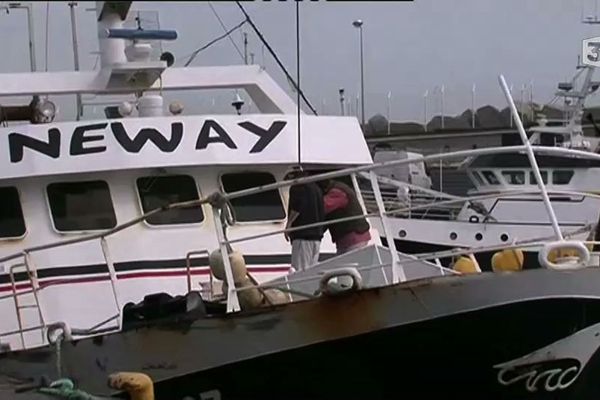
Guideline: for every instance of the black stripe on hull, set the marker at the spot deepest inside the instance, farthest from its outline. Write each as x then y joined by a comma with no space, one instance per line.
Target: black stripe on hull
453,357
530,258
93,269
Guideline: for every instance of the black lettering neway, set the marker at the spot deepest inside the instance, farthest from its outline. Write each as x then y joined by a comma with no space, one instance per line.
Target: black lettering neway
82,141
79,138
148,134
17,142
266,135
204,138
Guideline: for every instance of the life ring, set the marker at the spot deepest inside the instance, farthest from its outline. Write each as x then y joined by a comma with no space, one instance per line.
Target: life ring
329,288
581,261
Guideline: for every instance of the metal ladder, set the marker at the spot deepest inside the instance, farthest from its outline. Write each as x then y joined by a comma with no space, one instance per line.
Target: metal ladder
31,272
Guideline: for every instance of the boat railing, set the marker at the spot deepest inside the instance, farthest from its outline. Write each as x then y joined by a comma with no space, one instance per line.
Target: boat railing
432,257
403,196
188,270
223,197
218,202
403,211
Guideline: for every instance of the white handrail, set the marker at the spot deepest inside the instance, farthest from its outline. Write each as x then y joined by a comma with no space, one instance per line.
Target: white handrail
531,156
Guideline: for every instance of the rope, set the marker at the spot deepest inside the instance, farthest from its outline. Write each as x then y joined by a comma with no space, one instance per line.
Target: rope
65,389
206,46
59,356
285,71
225,29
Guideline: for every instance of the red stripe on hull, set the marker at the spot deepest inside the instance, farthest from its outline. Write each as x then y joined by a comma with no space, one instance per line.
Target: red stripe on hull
135,275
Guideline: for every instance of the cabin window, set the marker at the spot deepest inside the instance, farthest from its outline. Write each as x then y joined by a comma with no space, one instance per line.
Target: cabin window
544,175
12,223
478,178
265,206
562,177
157,191
514,177
81,206
490,177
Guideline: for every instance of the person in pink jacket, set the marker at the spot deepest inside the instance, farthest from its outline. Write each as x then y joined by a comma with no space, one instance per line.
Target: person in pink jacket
340,202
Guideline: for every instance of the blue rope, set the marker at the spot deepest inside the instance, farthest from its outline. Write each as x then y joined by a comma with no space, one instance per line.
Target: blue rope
65,389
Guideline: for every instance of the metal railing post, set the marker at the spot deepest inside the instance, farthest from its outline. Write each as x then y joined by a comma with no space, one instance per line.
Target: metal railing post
233,303
188,269
531,157
358,192
35,286
16,300
112,272
398,274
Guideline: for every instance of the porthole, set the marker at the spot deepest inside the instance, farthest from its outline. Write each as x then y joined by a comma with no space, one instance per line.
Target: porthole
453,235
402,233
504,237
478,236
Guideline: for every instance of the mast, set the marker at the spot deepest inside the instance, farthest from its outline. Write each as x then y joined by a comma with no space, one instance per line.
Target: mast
72,5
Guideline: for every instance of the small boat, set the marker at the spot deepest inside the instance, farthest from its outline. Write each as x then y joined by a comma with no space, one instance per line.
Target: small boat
504,205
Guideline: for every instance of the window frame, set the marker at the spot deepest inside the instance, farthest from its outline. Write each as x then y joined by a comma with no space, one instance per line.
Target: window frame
262,221
78,232
499,181
479,179
506,172
170,226
14,238
532,180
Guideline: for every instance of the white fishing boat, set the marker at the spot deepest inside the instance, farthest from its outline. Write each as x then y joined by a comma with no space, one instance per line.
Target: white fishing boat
113,226
63,180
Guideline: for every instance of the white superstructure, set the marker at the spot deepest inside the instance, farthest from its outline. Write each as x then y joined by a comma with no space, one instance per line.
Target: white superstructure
61,181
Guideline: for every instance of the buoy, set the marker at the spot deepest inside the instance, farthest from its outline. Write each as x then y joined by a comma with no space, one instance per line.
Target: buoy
139,386
238,265
276,296
248,298
508,260
465,265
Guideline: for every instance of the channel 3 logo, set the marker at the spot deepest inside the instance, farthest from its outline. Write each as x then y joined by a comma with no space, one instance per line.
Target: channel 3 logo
591,51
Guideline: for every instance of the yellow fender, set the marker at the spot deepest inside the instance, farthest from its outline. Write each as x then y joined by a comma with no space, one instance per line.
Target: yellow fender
508,260
465,265
138,385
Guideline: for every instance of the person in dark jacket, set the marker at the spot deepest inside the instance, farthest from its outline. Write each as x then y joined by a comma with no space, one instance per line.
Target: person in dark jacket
340,201
305,207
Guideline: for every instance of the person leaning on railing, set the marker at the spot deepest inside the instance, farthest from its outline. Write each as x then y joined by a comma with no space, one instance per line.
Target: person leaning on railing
305,207
340,201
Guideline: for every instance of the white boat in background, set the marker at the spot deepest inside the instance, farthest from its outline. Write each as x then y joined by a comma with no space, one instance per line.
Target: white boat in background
505,205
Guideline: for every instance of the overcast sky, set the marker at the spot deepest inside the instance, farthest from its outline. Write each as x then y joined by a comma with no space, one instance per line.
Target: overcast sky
410,47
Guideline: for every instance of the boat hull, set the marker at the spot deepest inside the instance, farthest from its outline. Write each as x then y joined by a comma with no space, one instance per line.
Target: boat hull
451,357
528,335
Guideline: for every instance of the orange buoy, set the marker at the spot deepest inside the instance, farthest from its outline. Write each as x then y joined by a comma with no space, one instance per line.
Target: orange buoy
139,386
465,265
